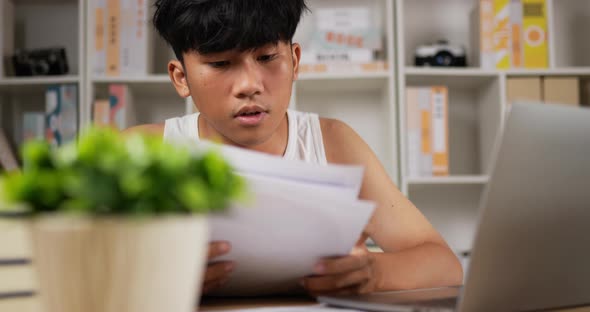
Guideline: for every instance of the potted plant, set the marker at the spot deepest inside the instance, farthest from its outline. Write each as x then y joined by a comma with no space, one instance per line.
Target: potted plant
118,224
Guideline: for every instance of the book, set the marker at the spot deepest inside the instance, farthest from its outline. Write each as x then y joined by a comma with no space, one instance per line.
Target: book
100,15
486,34
516,34
101,116
61,114
120,106
8,158
113,33
502,33
33,126
534,22
52,115
427,131
425,115
142,38
127,31
440,132
413,129
6,35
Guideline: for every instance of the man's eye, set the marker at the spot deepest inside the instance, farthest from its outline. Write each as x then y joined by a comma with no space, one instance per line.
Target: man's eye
266,58
219,64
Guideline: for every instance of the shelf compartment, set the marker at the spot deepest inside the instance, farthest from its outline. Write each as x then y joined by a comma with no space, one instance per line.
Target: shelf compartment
464,78
475,115
452,210
151,102
367,110
464,179
569,27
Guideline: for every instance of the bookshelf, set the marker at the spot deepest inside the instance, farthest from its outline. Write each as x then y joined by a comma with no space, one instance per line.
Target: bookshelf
372,102
477,101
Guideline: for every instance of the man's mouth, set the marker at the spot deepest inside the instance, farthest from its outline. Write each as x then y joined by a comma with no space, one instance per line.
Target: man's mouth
251,116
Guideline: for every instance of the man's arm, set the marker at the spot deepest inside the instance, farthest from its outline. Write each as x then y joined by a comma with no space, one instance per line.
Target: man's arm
415,255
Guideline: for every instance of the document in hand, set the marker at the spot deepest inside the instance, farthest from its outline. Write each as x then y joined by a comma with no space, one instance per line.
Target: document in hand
298,213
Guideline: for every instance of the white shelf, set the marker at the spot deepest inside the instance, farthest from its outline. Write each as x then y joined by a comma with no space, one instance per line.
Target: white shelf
565,71
343,82
344,75
44,80
44,2
25,86
133,79
467,179
467,78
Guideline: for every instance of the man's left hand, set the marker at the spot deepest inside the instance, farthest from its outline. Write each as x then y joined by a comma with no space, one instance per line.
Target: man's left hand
352,274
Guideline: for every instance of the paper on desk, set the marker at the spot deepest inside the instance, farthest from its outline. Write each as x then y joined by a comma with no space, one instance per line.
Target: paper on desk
278,237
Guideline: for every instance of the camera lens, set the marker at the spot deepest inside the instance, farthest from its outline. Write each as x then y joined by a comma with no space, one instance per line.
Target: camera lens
40,67
443,58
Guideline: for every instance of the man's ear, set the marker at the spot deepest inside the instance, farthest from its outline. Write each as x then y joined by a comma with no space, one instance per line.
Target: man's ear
296,56
178,78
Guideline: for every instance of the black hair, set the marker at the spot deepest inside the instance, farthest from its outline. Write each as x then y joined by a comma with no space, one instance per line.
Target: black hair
209,26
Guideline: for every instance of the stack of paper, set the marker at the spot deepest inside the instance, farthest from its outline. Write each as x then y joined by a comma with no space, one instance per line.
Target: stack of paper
299,213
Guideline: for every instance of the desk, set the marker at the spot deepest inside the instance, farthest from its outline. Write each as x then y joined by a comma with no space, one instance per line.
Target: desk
223,304
31,304
220,304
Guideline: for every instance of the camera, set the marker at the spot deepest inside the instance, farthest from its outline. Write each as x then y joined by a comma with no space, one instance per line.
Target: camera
441,54
40,62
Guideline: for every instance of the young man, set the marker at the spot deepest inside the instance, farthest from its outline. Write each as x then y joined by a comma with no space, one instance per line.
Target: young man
237,60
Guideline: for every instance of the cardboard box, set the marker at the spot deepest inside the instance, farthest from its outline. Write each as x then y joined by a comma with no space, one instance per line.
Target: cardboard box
524,88
561,90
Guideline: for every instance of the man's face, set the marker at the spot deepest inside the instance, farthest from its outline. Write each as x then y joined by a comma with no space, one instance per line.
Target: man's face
243,96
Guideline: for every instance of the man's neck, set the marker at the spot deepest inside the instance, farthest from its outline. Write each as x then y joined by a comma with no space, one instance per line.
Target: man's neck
275,145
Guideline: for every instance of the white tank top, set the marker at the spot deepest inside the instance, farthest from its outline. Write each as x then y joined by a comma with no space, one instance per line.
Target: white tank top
304,138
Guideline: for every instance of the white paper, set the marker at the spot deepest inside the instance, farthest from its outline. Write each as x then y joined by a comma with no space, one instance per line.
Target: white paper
277,239
261,164
297,213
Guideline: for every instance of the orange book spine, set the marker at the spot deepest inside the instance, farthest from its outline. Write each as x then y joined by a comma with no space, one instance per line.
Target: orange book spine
440,132
113,38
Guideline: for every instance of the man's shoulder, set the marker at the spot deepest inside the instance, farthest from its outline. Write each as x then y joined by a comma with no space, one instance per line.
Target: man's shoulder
341,143
151,129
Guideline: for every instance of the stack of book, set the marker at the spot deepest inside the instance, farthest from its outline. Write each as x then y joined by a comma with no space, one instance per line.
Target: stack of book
513,34
427,131
122,37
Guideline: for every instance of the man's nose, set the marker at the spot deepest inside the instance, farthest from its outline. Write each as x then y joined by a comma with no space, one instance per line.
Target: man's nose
249,81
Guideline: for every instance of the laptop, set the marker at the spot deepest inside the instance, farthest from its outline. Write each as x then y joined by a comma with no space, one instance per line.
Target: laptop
532,246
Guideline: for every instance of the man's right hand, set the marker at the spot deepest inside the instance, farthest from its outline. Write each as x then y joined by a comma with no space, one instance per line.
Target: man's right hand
217,273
